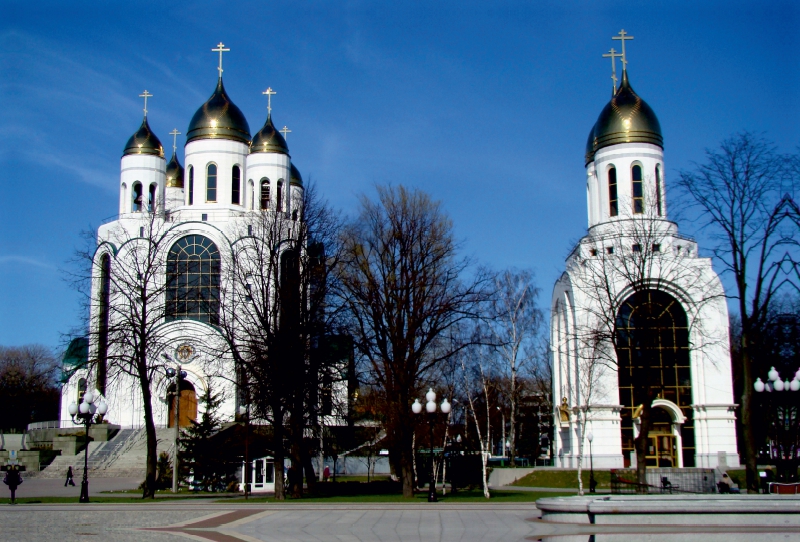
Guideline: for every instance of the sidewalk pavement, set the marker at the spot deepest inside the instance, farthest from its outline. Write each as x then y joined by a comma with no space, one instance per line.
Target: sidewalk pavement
49,487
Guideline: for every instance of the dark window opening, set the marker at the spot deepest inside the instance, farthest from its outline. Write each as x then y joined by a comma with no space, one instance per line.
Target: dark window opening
637,247
593,252
279,196
137,197
610,250
294,215
612,192
193,277
236,179
211,183
151,202
102,321
658,190
638,190
656,247
265,193
191,185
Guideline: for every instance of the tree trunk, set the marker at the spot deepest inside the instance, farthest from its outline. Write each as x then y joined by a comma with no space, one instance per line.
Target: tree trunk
640,444
151,462
278,456
512,429
308,468
750,452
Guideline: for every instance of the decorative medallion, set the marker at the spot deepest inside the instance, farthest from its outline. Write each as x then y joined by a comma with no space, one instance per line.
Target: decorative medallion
184,352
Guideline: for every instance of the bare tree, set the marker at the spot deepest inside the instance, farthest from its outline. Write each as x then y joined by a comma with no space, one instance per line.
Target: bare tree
404,285
127,310
276,311
515,323
28,385
743,200
478,388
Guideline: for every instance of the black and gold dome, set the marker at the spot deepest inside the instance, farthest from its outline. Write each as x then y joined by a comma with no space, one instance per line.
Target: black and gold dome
268,139
295,179
625,119
174,173
219,118
144,141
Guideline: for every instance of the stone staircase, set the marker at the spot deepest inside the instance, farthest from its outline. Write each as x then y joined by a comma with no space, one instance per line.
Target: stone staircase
123,456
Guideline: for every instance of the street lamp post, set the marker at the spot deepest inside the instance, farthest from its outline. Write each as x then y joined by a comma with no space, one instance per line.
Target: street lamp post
430,407
784,422
592,482
177,374
245,411
83,414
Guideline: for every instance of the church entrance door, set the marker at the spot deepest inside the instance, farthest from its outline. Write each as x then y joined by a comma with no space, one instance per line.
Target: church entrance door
662,451
187,405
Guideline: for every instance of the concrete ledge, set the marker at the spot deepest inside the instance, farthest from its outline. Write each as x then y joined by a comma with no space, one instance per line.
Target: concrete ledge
672,509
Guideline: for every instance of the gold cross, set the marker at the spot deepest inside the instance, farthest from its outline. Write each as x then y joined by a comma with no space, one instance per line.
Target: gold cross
622,37
613,54
145,95
174,133
285,131
270,93
220,49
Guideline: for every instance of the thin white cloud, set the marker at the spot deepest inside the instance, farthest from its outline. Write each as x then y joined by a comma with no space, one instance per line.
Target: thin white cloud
26,261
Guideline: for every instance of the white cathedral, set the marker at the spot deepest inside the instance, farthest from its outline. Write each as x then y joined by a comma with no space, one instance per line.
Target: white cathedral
633,270
198,211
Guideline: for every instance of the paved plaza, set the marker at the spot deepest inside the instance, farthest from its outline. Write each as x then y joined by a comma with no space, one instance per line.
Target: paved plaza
290,522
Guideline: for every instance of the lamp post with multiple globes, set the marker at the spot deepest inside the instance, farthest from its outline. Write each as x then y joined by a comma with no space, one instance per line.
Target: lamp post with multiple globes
783,409
83,414
592,481
431,409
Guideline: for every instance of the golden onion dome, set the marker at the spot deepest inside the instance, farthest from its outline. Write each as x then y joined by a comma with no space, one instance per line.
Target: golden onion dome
174,173
144,141
295,177
268,139
625,119
219,118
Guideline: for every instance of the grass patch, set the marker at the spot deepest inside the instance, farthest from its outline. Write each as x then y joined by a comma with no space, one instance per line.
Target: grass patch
564,479
420,497
93,500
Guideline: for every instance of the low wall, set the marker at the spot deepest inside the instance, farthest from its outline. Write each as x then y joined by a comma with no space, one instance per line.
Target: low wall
670,510
507,476
30,459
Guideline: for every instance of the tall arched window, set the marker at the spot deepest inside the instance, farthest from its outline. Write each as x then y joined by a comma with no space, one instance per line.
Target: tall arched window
637,189
136,204
191,185
265,193
236,179
279,196
81,389
102,321
193,269
658,189
613,204
652,346
251,194
211,183
151,200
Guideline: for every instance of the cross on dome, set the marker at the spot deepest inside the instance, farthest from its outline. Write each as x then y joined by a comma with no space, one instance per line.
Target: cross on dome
614,55
270,93
220,49
622,37
285,131
145,95
174,133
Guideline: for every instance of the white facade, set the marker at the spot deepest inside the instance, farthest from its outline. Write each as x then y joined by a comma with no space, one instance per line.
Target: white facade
633,256
184,203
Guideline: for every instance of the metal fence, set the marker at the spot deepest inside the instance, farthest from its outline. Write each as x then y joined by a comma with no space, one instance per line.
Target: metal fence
664,480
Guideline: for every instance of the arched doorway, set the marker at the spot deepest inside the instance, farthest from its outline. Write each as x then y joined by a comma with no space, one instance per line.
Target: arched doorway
187,406
652,346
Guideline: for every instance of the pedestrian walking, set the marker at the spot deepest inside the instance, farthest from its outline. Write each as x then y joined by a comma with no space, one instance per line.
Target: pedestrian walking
326,473
69,481
12,479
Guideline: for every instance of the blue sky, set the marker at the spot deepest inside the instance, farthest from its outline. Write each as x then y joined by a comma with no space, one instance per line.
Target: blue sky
486,105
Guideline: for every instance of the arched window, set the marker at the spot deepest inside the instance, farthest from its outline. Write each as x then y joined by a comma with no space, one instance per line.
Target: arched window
652,346
251,194
211,183
151,200
81,389
279,196
658,189
637,190
294,215
102,321
265,193
137,197
191,185
236,179
613,204
193,269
